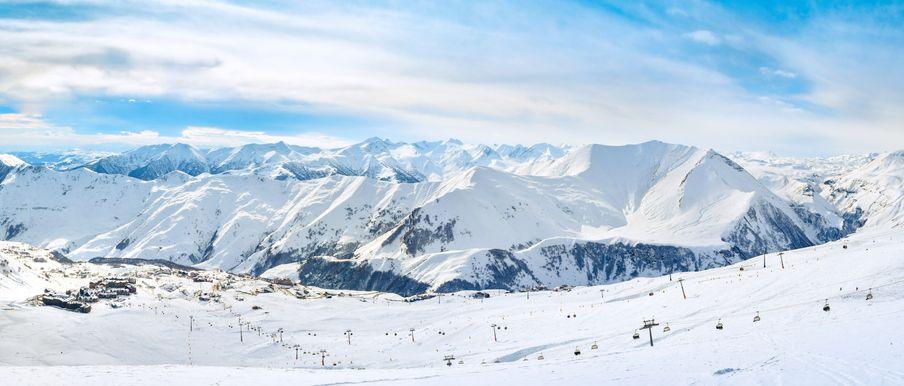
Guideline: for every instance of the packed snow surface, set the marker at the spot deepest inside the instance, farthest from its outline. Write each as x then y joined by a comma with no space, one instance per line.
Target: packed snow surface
166,334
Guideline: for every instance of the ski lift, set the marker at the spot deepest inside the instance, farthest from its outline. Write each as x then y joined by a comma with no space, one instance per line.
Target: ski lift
826,307
756,317
594,346
666,328
636,335
869,296
577,351
719,325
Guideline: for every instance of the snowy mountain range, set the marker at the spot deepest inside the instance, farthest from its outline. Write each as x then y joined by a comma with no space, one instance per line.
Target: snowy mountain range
445,216
375,158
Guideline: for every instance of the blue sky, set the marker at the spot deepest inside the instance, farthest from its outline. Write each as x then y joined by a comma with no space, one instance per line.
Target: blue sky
797,78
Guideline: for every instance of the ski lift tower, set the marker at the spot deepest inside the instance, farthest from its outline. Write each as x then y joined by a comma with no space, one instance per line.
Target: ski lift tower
348,334
648,325
323,356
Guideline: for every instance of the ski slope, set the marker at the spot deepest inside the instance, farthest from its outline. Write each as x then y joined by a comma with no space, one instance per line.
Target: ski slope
148,341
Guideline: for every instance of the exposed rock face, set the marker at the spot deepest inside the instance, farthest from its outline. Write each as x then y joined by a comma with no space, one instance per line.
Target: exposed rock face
747,237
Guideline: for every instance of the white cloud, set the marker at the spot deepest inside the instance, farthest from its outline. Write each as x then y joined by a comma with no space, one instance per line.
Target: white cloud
30,132
704,36
777,72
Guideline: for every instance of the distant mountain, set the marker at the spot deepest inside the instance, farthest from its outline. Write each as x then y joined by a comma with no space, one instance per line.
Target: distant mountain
845,192
61,161
375,158
443,216
155,161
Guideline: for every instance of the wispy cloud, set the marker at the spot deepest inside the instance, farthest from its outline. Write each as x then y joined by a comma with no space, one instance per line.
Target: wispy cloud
484,71
777,72
705,37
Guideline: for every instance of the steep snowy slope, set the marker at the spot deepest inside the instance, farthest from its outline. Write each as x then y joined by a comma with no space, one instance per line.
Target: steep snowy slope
8,163
841,192
874,192
64,210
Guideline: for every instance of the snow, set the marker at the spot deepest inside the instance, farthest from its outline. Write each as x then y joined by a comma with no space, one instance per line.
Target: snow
796,342
10,160
63,160
231,209
375,157
836,185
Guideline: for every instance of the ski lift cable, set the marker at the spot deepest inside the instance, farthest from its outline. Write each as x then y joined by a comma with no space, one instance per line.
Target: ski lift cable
683,322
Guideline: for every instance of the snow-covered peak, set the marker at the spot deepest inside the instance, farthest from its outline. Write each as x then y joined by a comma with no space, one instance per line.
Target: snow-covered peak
153,161
8,163
11,161
873,191
617,162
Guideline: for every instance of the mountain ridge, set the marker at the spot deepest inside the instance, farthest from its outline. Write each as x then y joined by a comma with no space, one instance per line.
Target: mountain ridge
443,216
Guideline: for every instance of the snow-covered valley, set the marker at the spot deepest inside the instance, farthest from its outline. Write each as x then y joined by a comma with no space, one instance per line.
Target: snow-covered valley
169,331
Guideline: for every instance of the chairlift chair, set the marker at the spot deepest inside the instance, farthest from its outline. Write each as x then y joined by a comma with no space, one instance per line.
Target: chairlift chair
540,357
826,307
594,346
666,328
577,351
869,296
719,325
636,335
756,317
